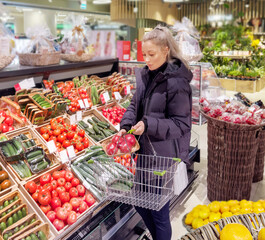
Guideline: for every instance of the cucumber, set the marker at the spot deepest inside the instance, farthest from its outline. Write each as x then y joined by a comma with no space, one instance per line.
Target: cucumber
93,167
18,146
11,149
121,186
26,169
28,143
41,235
32,142
19,170
24,144
122,173
103,159
95,119
33,154
90,131
103,124
97,131
90,121
23,136
87,169
96,147
36,160
5,151
83,124
33,236
96,138
121,167
24,212
111,170
87,156
40,166
85,174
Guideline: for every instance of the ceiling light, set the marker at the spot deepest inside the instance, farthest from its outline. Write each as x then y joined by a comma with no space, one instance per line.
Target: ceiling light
102,1
247,4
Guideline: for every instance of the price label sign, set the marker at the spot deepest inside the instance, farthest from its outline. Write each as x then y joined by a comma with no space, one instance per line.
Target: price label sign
25,84
64,156
127,89
71,152
104,97
81,103
72,119
87,105
51,146
117,96
78,116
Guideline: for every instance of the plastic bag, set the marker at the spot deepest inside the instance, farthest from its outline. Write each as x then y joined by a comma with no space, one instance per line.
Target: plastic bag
41,42
187,38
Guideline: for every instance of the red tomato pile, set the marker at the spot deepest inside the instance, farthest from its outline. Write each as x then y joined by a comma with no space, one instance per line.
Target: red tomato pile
127,162
8,122
64,135
121,144
61,197
114,114
48,83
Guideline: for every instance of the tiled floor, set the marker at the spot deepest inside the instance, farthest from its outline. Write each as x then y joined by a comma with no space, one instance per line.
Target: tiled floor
198,192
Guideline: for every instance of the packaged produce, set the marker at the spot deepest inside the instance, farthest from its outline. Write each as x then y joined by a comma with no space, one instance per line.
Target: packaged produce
187,38
40,51
113,114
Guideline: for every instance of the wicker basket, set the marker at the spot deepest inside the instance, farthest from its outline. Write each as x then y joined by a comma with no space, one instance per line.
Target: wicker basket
5,60
75,58
254,222
232,150
37,59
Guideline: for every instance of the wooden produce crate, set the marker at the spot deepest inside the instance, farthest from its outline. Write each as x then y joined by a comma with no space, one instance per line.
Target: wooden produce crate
31,134
94,113
22,202
85,216
66,120
110,105
13,186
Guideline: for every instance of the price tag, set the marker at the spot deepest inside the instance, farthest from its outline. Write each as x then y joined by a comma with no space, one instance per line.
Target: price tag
86,103
127,89
104,97
64,157
71,152
81,103
25,84
117,127
117,96
78,116
51,146
72,119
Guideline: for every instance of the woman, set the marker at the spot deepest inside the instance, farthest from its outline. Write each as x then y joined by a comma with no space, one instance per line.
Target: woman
160,112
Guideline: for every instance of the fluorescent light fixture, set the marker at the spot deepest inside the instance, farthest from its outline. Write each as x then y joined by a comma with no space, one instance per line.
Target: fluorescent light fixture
173,1
101,1
219,17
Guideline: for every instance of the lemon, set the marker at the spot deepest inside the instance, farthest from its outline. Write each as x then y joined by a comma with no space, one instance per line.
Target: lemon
234,208
258,210
224,208
197,222
195,213
204,213
227,214
214,206
214,217
235,231
261,235
189,218
206,221
257,205
232,203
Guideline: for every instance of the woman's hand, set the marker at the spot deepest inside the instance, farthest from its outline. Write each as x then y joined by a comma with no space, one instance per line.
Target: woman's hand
139,128
121,132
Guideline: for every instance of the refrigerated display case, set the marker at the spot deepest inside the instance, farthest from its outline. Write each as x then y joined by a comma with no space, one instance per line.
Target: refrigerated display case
108,219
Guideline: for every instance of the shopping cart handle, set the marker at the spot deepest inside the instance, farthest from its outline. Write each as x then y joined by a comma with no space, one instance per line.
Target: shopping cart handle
90,161
161,174
176,159
131,131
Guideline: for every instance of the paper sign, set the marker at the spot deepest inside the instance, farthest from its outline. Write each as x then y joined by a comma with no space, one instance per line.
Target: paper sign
127,89
86,103
117,127
78,116
117,96
25,84
51,146
72,119
81,103
104,97
64,156
71,151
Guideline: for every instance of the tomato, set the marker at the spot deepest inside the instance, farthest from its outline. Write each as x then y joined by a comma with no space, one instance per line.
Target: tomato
50,133
75,202
64,196
43,130
35,196
46,178
45,208
54,127
72,218
45,136
73,192
61,182
62,173
73,127
69,176
48,187
81,190
2,113
66,143
56,202
60,189
79,146
44,197
54,184
70,135
54,194
75,182
51,215
67,206
58,224
58,145
62,213
11,128
81,133
67,186
86,143
61,138
115,139
83,207
8,120
124,147
60,120
89,200
31,187
57,132
111,148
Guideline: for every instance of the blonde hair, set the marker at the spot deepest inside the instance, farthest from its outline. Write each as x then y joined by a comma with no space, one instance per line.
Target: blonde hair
161,36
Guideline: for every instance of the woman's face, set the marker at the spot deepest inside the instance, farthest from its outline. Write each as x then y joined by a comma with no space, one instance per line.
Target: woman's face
154,55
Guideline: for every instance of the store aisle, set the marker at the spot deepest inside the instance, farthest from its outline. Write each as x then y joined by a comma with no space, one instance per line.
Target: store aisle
198,192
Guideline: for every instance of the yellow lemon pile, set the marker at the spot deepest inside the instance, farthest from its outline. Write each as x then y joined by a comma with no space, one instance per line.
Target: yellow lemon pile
203,214
235,231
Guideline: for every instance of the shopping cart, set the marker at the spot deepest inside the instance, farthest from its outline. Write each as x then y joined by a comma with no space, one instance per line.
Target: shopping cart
151,185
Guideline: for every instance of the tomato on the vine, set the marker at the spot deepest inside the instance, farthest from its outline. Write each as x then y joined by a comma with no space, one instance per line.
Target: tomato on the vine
79,146
61,138
43,130
66,143
81,133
